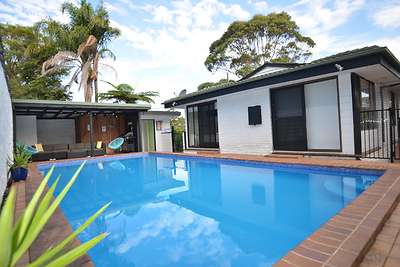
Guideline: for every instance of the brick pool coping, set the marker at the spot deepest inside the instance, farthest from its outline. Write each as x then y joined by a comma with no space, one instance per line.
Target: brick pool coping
342,241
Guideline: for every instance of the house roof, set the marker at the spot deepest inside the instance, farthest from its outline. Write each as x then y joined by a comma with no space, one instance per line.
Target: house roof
69,109
271,64
350,59
163,112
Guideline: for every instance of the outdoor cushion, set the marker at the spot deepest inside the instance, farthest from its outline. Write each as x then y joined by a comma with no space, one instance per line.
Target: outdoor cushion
42,156
99,144
39,147
55,147
62,154
79,146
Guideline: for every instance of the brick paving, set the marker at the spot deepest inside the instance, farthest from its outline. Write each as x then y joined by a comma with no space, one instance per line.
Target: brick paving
385,252
343,241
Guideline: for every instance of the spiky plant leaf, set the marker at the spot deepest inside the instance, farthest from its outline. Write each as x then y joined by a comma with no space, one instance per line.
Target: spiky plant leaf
49,254
6,222
38,225
30,209
45,202
77,252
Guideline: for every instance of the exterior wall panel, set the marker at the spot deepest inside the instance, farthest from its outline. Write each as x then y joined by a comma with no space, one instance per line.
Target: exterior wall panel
6,134
56,131
26,129
346,112
235,133
163,136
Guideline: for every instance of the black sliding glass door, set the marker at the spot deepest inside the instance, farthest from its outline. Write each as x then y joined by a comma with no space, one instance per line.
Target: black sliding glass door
289,119
203,125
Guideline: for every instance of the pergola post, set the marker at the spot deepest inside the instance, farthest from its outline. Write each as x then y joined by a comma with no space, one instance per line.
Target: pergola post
91,133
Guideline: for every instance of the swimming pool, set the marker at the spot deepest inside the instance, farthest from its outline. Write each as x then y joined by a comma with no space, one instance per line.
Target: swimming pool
190,211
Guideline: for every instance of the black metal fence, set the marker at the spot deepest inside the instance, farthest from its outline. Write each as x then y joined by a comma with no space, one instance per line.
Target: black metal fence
177,140
379,133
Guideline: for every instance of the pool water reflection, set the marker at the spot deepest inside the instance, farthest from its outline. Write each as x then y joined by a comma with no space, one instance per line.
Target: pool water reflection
182,211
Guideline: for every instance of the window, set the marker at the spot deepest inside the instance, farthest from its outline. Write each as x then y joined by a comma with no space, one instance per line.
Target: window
158,125
254,115
369,120
368,98
202,125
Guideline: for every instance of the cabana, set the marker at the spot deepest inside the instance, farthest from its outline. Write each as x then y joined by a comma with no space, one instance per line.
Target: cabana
77,129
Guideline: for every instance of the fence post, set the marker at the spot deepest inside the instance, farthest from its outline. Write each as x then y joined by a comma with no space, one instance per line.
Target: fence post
391,137
173,139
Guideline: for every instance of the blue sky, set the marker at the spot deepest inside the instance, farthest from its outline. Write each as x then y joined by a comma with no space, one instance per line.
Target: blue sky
164,43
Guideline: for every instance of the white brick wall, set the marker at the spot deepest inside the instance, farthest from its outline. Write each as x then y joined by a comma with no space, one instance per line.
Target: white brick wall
6,133
346,112
235,133
163,137
236,136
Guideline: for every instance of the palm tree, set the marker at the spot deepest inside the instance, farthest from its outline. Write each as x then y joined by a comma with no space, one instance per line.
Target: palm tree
87,33
125,93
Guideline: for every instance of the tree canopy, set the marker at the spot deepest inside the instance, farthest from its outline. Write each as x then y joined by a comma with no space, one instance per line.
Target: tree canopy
25,49
246,45
87,35
125,93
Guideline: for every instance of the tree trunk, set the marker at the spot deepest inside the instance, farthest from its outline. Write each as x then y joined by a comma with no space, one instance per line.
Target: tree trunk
89,91
96,91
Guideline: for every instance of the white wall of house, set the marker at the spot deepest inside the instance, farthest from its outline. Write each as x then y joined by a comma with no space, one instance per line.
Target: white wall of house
6,133
235,133
322,115
346,112
56,131
237,136
26,129
163,136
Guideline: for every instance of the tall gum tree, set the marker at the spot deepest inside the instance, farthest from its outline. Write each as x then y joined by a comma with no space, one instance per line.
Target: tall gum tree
246,45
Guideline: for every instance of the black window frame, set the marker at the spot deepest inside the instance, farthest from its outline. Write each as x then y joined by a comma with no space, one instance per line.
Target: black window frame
370,119
199,135
254,115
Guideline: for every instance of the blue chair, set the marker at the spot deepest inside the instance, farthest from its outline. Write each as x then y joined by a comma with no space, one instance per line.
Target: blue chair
30,150
116,143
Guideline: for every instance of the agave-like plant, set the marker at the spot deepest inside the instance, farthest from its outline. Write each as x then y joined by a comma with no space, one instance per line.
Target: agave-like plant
15,239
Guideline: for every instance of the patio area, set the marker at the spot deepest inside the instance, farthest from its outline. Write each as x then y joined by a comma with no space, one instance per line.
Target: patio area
65,130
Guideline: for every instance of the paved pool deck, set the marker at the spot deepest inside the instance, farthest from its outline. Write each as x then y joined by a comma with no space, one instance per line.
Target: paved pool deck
348,239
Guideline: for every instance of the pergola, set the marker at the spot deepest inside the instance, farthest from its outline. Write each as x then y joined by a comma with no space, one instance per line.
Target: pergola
53,109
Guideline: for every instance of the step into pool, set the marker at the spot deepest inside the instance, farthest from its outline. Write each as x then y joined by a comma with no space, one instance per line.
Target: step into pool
193,211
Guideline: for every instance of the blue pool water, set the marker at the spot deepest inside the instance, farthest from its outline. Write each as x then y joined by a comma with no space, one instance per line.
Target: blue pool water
186,211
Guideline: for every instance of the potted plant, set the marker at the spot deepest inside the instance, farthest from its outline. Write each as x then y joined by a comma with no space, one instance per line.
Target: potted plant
19,164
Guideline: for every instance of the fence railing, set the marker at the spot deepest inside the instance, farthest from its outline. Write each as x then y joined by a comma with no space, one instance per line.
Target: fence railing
379,133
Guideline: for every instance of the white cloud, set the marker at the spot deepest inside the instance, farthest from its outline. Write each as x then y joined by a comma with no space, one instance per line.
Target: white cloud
260,6
113,7
162,14
388,16
28,12
318,18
